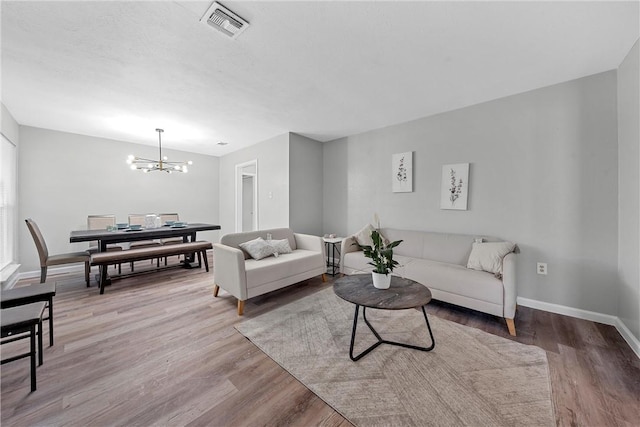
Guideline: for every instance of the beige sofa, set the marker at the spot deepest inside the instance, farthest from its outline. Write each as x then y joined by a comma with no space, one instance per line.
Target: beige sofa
243,277
439,261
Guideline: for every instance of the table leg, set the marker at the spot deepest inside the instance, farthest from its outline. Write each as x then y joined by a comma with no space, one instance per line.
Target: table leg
380,339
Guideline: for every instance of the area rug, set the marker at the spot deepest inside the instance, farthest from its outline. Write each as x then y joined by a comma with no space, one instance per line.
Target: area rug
471,378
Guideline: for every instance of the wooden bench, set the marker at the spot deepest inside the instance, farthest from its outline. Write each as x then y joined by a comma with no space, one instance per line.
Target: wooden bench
104,259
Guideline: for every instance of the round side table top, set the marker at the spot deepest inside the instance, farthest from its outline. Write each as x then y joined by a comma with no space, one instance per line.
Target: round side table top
402,294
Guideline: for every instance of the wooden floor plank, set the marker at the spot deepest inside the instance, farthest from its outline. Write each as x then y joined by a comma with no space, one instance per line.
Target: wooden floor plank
159,349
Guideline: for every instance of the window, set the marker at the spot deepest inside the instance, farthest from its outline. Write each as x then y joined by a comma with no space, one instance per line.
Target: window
7,202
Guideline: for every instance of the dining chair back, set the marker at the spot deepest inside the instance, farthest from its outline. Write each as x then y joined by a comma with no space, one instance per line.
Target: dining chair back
47,260
99,222
139,219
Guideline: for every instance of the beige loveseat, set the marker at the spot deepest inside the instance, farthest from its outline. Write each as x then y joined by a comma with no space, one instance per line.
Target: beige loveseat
243,277
439,261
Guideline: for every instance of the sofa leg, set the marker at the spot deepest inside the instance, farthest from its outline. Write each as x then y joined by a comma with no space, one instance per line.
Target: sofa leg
324,277
216,288
240,307
512,326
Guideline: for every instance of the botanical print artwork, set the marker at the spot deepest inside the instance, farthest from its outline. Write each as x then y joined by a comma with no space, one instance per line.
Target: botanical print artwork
402,172
455,185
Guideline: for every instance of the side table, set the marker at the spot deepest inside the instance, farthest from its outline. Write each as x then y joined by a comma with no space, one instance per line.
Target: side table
332,246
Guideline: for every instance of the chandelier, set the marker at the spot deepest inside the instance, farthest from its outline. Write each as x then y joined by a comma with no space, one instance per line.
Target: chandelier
147,165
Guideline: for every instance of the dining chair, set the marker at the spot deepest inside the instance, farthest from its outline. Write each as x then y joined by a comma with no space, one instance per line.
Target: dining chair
47,260
101,222
164,217
139,219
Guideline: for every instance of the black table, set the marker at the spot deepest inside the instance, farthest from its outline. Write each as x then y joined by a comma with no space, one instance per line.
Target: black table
105,237
401,295
41,292
22,322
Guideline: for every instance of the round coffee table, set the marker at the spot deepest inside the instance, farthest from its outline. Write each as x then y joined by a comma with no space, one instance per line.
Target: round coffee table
401,295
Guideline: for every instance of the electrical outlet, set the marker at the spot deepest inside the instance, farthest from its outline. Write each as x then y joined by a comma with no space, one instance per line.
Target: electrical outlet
542,268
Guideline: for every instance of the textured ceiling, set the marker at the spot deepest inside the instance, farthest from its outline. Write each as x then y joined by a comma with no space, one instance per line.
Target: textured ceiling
324,69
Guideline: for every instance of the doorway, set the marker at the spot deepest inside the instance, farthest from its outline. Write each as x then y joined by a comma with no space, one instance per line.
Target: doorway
247,196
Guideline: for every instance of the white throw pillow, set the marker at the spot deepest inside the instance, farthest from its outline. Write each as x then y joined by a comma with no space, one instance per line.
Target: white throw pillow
488,256
280,247
363,237
258,248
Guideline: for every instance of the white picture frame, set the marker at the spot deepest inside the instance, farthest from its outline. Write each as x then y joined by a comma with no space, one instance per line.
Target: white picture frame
455,186
402,172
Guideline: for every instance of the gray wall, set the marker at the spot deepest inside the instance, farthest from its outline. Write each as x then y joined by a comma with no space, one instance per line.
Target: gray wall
629,190
305,185
273,183
64,177
10,128
543,174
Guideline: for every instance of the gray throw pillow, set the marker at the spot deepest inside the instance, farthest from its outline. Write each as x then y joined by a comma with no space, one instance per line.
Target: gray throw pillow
258,248
281,247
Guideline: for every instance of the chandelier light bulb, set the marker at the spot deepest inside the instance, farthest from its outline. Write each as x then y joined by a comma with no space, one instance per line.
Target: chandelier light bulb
163,164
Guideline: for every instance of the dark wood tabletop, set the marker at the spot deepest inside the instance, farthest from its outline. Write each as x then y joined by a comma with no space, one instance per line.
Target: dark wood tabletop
402,294
127,235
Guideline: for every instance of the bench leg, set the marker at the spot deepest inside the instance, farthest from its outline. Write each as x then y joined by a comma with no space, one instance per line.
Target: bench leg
43,274
199,259
50,321
87,273
216,288
103,278
206,261
40,355
33,357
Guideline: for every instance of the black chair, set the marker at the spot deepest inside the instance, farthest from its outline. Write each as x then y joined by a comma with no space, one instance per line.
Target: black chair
17,323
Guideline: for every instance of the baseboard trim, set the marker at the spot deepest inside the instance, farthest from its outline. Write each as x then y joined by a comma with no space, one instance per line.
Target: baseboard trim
593,316
633,342
9,276
52,270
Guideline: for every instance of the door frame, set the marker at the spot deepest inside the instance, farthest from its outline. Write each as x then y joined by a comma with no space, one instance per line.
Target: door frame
238,193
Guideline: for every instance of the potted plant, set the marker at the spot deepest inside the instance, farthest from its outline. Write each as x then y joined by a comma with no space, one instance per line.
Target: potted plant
381,259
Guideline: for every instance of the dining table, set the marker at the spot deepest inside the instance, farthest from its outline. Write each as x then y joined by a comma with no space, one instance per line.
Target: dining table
105,237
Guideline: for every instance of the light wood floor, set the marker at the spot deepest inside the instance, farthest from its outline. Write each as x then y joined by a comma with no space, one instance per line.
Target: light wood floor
159,349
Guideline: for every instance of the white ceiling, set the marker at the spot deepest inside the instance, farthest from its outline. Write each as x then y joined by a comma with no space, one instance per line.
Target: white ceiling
323,69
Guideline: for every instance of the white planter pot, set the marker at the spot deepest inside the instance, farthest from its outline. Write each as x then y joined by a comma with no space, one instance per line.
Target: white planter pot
381,281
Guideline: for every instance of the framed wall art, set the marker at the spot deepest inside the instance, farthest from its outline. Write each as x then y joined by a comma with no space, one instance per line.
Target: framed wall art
455,186
402,172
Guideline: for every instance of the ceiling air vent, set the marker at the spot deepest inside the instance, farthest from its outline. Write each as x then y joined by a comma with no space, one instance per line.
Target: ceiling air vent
224,20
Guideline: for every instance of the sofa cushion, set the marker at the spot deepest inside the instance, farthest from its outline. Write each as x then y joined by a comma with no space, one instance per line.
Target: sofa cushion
488,256
280,247
363,237
456,279
272,269
258,248
356,262
234,239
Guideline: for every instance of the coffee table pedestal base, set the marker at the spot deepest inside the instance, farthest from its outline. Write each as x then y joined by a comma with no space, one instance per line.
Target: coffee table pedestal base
380,340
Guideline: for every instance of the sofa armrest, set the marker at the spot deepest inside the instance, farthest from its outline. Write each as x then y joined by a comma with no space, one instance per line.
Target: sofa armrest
228,271
348,245
309,242
509,284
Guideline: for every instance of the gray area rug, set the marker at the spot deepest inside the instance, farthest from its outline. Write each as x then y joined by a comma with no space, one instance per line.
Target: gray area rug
471,378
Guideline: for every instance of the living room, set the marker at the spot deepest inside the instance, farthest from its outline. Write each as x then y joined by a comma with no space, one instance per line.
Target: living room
553,168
